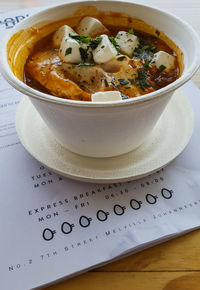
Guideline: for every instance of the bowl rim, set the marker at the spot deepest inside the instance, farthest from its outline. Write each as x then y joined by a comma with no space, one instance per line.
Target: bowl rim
25,89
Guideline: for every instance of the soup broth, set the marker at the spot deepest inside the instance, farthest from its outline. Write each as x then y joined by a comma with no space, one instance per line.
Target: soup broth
131,75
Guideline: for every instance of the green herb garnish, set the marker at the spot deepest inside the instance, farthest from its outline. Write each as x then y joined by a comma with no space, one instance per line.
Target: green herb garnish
80,38
121,58
95,42
143,52
113,82
118,36
124,97
157,32
152,48
106,83
123,82
148,47
83,53
131,31
162,67
114,42
142,77
80,85
145,47
145,65
68,51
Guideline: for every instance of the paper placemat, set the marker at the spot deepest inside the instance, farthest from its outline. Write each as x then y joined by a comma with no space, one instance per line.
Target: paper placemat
53,228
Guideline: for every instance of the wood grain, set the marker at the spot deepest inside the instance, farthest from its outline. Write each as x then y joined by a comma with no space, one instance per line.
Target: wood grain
131,280
180,254
174,265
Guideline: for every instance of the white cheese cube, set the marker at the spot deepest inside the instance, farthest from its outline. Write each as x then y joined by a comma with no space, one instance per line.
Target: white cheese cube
127,42
91,26
106,96
62,32
105,51
69,51
163,58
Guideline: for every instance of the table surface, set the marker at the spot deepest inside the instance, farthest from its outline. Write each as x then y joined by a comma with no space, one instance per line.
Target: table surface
173,265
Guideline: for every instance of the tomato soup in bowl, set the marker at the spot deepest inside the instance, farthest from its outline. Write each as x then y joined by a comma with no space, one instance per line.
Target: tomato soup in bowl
100,78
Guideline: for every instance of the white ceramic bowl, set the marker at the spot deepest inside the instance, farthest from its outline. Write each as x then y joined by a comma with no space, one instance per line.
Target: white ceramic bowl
111,128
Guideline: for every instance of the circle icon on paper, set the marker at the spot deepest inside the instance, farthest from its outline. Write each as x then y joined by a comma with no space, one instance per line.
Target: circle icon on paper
135,204
84,221
118,209
150,198
67,228
48,234
102,215
166,193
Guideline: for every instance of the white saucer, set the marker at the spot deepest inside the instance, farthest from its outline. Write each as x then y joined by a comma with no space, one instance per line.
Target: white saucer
168,139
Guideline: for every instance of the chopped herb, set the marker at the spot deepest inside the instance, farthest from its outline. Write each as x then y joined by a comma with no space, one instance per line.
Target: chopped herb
157,32
142,77
148,47
153,48
114,42
142,53
127,87
123,82
68,51
124,97
121,58
80,38
118,36
86,64
113,81
80,85
131,31
95,42
162,67
83,53
145,65
106,82
145,47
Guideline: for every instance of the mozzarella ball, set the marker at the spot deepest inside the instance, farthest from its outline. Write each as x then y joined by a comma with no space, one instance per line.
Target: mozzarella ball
105,50
163,58
127,42
106,96
62,32
91,26
69,51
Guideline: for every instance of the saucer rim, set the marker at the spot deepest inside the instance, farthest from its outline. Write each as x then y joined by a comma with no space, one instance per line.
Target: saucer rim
181,102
